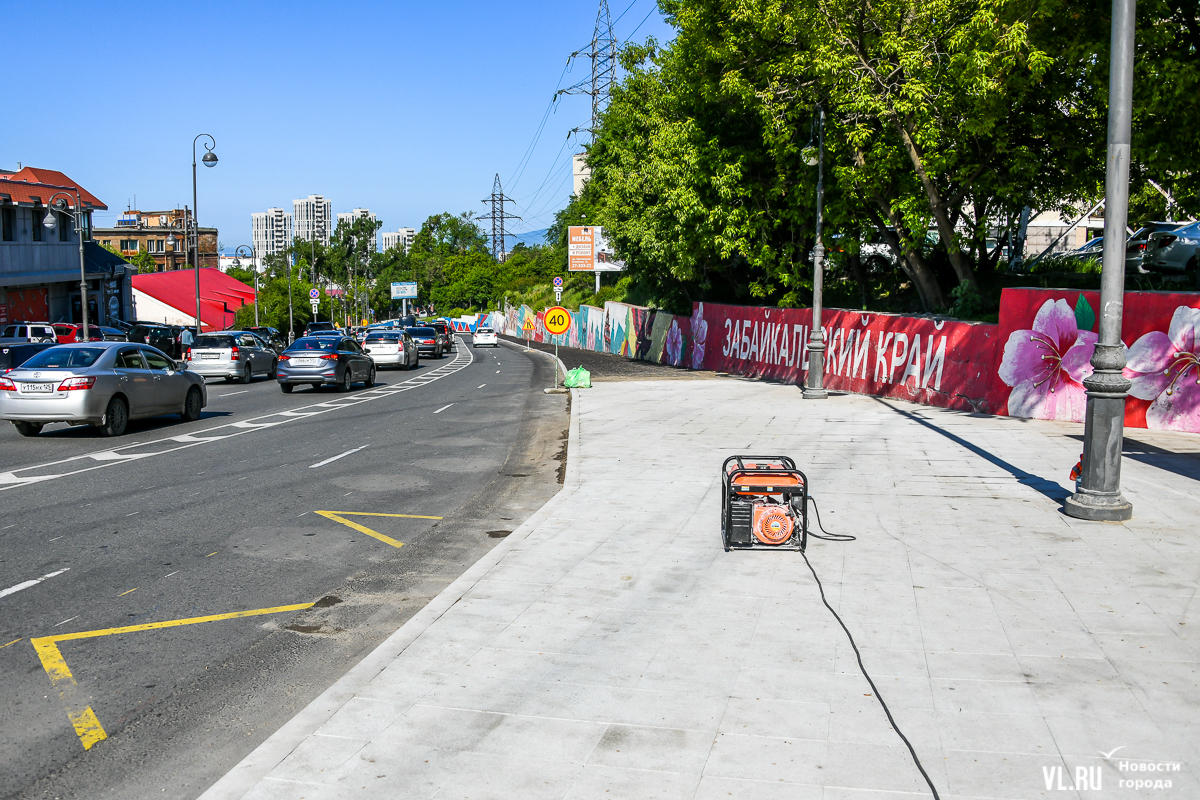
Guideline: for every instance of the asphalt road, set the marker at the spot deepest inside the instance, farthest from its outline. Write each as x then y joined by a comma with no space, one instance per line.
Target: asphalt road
204,522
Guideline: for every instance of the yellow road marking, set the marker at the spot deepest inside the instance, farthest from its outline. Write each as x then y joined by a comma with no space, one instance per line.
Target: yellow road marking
14,641
213,553
336,517
131,591
83,719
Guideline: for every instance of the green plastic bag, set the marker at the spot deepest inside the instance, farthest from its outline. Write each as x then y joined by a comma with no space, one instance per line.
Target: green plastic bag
578,378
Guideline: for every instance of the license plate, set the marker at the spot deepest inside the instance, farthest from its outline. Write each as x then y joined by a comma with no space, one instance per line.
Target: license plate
306,362
34,388
209,356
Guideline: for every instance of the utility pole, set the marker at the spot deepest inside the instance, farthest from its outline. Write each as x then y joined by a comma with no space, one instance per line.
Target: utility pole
498,216
603,53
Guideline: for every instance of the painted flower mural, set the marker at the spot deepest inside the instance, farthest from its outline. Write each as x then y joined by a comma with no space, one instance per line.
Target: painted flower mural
1046,366
674,349
1165,369
699,334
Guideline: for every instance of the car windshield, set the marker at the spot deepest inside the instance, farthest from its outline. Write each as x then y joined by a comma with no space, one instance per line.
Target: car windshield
425,332
383,337
325,343
65,358
485,330
214,342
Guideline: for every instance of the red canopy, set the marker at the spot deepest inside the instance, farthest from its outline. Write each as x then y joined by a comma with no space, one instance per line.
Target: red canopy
220,295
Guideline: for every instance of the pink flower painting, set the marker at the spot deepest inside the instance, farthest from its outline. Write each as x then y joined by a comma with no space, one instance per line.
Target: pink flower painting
1046,366
699,334
1165,369
674,344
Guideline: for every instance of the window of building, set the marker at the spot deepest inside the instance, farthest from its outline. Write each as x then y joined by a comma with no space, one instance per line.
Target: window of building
64,227
8,221
129,244
38,215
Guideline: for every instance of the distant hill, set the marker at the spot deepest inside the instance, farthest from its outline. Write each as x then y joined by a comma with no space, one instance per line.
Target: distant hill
531,238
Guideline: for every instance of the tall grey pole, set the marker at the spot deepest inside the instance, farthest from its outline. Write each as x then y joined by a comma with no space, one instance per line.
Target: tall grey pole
815,388
83,292
1099,495
196,239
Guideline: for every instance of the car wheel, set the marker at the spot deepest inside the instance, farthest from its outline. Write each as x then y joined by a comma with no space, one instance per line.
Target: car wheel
274,373
370,378
28,428
286,388
246,374
116,418
191,406
346,380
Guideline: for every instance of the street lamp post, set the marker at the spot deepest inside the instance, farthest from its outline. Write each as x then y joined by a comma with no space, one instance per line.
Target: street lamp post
77,215
815,386
254,263
210,160
1099,496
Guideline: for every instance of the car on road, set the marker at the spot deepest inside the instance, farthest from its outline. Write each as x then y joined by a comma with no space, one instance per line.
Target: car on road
271,336
67,332
1093,249
157,335
1174,251
30,332
445,333
17,353
102,384
1135,245
392,348
484,336
316,327
427,341
324,360
232,355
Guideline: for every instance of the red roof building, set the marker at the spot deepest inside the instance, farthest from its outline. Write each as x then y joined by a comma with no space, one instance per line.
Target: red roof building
32,185
220,297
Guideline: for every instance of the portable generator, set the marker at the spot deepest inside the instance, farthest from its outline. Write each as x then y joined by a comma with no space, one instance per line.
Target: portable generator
764,505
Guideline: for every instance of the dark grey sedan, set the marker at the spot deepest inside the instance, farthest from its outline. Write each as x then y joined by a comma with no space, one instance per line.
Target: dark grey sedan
324,360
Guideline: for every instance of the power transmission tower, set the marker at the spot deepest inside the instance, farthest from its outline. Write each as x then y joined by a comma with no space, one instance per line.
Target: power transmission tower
497,199
603,53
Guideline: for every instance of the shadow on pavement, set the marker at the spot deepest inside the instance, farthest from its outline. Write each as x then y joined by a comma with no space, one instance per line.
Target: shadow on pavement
1185,465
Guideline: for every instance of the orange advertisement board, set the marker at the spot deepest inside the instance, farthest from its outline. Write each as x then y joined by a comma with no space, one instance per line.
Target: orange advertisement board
581,243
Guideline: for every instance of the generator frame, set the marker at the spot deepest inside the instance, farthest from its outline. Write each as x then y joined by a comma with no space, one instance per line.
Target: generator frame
752,486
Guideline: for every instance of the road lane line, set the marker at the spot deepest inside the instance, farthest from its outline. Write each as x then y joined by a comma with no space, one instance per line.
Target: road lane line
335,458
83,719
231,394
14,641
334,515
169,574
213,553
480,386
64,622
34,582
443,408
131,591
373,514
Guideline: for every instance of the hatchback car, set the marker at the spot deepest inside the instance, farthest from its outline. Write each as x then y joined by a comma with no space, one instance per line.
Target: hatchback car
484,336
232,355
102,384
1174,251
314,327
1135,245
427,341
445,333
271,336
391,348
322,360
156,335
30,332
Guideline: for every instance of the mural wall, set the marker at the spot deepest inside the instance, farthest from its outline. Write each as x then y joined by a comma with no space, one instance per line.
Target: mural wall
1031,364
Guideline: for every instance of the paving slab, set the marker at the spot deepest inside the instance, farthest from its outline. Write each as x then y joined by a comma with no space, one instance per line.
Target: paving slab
609,648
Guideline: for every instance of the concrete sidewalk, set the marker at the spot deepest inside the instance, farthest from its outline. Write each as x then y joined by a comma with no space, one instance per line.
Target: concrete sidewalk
609,648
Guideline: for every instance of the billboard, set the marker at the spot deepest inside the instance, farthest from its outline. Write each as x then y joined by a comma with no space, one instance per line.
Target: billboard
589,251
404,290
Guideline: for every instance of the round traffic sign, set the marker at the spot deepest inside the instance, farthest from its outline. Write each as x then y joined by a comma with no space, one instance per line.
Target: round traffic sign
558,283
558,320
314,294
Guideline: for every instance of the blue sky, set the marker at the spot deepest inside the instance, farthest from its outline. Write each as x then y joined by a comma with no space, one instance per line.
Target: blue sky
406,108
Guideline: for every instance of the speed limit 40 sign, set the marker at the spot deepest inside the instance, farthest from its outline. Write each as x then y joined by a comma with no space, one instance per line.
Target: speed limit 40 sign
557,320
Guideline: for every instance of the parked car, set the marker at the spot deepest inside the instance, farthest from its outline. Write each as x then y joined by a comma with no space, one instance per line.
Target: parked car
1174,251
445,333
271,336
30,332
155,334
484,336
113,334
392,348
314,327
1093,249
427,341
15,354
232,355
102,384
321,360
67,332
1135,245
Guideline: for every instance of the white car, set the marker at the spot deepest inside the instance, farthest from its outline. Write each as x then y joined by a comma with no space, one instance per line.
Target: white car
484,336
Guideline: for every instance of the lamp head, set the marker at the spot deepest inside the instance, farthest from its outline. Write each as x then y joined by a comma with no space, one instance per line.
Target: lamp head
171,240
210,159
810,155
49,220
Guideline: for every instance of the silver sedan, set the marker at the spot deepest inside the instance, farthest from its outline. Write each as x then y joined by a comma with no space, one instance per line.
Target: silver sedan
102,384
1174,251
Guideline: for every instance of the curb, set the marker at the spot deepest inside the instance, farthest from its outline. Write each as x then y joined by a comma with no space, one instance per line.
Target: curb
252,769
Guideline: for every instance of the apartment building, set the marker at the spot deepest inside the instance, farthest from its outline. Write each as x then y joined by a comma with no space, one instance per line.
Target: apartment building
162,235
271,232
401,238
312,218
351,216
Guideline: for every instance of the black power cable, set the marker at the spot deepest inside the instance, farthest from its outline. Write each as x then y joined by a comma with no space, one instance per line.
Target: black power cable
845,537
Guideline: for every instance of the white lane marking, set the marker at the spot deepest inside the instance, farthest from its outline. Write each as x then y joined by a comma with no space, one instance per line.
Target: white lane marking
6,527
443,408
132,513
231,394
56,538
11,480
480,386
64,622
34,582
301,515
169,574
335,458
497,372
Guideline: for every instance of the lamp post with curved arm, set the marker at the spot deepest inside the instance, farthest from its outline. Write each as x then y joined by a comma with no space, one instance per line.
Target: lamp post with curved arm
210,160
254,263
815,386
77,215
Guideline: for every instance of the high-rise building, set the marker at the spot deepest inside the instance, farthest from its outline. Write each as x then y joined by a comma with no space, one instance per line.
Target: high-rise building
401,238
312,218
272,232
349,218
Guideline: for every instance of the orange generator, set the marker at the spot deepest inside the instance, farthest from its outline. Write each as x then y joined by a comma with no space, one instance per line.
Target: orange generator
764,505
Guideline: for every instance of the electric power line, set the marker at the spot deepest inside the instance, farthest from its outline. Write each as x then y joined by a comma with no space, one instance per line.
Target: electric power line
498,217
